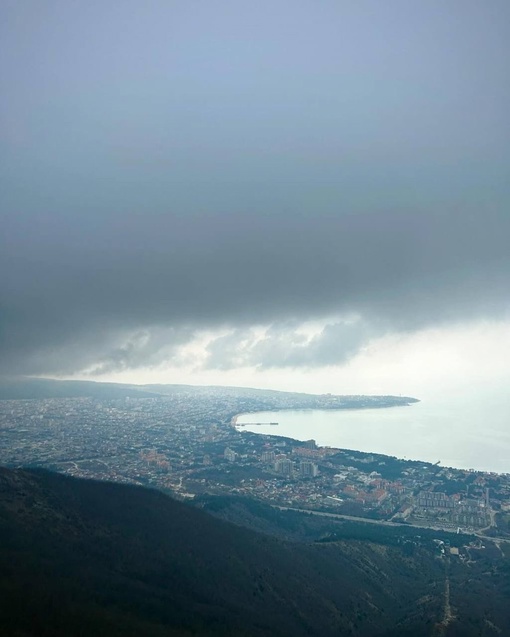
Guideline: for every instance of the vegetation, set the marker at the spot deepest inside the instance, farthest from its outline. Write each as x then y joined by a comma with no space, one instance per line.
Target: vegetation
304,527
87,558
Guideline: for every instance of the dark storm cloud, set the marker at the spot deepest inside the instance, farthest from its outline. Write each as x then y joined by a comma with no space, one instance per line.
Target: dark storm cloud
171,167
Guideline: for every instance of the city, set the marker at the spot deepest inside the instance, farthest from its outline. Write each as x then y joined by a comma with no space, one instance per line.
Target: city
187,444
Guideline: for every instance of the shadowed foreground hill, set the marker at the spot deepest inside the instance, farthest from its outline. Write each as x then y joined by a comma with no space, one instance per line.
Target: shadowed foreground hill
87,558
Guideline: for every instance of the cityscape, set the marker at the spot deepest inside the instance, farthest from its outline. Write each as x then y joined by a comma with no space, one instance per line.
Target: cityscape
187,443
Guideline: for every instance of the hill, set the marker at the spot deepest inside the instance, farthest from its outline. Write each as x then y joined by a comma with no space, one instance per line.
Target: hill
39,388
88,558
25,388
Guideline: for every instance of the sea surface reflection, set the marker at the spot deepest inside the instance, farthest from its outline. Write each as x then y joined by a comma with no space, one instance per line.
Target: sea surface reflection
462,432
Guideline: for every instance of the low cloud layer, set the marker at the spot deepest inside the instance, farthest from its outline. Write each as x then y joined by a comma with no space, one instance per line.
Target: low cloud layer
287,346
237,169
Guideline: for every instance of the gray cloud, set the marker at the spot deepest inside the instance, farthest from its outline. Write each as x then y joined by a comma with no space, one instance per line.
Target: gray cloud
285,345
149,347
170,167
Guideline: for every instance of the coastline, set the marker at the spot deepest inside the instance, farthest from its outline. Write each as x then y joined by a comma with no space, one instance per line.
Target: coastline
429,433
234,423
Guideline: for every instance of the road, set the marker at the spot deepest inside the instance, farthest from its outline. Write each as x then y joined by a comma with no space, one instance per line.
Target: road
352,518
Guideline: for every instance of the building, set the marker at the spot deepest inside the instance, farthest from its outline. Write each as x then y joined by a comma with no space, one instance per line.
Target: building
434,500
308,469
285,467
230,455
268,457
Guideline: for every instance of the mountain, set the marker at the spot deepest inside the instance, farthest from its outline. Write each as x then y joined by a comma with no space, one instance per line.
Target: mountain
89,558
85,559
39,388
23,388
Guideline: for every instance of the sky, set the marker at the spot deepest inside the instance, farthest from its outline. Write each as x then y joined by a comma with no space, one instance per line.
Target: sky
306,195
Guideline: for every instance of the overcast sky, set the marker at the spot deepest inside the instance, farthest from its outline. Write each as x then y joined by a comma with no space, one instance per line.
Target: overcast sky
304,194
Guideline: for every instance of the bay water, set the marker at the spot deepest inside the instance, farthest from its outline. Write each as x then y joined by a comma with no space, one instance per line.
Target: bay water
463,431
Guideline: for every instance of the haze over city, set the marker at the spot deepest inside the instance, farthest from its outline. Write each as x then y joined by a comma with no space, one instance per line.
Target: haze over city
292,195
275,236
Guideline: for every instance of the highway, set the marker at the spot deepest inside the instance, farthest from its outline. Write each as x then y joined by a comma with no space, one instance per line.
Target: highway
352,518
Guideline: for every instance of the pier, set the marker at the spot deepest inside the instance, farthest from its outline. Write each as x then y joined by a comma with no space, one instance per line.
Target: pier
255,424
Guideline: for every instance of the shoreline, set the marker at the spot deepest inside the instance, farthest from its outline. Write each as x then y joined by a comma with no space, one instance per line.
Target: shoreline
400,430
233,420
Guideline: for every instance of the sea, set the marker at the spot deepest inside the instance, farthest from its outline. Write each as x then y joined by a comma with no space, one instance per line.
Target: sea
467,431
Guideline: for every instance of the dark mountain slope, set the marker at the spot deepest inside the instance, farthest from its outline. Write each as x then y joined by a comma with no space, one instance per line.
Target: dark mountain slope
87,558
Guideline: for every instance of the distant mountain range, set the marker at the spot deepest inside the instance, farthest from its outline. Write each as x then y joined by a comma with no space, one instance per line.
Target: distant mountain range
39,388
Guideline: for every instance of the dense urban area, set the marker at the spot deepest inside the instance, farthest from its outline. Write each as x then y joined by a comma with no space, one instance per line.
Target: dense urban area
187,443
